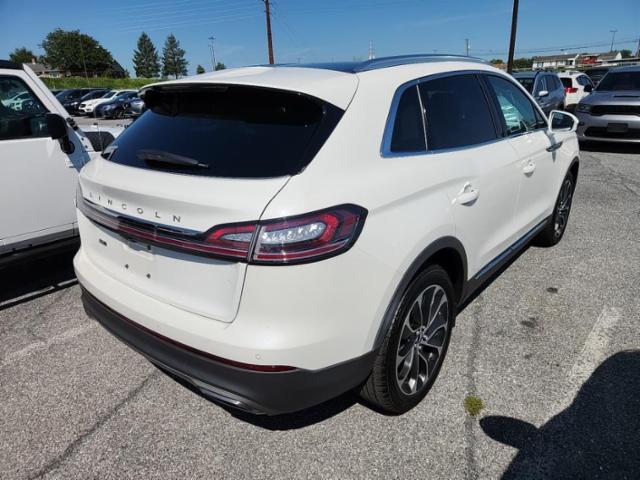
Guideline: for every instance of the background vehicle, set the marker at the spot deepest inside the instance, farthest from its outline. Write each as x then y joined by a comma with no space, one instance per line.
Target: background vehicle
116,107
67,97
134,107
612,112
545,87
41,154
72,105
576,86
452,169
89,106
596,74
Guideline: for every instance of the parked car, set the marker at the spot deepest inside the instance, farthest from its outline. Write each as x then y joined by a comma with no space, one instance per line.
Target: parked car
596,74
612,112
116,107
275,237
576,86
89,106
72,105
41,154
69,96
56,91
545,87
134,107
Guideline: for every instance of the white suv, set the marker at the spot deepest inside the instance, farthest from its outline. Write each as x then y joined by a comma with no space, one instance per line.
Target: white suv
277,235
577,85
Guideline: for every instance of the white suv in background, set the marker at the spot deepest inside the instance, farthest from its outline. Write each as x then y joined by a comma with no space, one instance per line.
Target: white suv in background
277,235
577,85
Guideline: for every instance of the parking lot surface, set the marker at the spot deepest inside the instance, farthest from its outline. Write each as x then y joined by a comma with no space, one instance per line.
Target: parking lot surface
551,348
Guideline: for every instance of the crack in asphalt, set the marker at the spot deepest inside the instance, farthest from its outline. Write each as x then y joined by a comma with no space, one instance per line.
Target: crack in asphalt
79,440
469,421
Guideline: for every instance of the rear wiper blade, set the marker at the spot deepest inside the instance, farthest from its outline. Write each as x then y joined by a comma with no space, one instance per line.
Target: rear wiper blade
169,158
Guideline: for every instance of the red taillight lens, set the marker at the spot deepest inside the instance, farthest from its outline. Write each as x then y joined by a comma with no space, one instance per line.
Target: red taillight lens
232,241
308,237
570,90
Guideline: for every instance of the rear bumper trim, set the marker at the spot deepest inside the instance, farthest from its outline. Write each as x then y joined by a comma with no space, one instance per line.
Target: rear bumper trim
271,392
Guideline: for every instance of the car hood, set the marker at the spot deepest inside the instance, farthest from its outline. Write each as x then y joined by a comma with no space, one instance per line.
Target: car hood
618,97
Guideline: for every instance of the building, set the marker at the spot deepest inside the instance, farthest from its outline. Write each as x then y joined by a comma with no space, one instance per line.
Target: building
42,70
555,61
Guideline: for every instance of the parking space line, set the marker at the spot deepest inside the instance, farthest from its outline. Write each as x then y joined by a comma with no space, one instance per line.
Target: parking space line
42,345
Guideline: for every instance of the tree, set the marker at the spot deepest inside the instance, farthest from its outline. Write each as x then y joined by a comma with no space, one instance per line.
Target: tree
496,61
22,55
220,66
626,53
199,69
173,62
523,63
72,51
145,58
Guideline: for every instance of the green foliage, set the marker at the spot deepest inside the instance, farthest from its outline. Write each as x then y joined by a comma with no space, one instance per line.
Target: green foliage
199,69
145,58
522,62
626,53
21,55
71,51
473,405
97,82
173,61
496,61
220,66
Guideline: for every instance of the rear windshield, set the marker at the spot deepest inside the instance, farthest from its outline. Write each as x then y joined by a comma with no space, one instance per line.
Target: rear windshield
566,82
226,131
527,83
620,81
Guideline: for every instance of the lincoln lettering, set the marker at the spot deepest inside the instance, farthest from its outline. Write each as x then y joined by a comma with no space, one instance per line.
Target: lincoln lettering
109,202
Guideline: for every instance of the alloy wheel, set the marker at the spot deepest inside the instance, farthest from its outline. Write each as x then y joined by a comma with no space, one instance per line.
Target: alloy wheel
563,207
422,339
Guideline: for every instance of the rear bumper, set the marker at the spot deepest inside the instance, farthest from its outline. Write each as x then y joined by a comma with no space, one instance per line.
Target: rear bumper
257,392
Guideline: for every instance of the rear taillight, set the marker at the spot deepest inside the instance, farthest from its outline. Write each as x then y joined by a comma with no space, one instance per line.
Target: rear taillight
570,90
299,239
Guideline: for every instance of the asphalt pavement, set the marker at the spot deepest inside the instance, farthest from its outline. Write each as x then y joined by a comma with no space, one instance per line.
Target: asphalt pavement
551,348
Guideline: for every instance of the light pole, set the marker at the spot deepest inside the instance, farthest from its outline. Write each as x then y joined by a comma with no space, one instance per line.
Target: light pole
613,36
213,54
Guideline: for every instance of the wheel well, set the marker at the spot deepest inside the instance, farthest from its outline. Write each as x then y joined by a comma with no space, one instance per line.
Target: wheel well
449,259
575,166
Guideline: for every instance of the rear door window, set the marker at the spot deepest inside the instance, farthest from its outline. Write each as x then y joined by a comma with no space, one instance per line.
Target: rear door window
567,82
457,112
226,131
408,125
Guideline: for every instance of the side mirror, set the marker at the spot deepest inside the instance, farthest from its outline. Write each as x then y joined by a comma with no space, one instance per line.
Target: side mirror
543,93
562,122
588,88
57,127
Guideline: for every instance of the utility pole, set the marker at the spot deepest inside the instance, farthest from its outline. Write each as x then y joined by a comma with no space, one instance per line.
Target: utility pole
638,47
213,54
267,12
466,43
512,41
84,62
613,36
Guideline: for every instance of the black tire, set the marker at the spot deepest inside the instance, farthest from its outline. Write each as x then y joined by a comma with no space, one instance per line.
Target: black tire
385,388
554,230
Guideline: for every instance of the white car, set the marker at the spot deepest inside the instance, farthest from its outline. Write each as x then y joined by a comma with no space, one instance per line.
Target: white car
87,107
278,235
577,85
41,153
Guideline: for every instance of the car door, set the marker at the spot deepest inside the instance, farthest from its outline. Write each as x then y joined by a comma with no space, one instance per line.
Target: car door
37,180
463,133
526,131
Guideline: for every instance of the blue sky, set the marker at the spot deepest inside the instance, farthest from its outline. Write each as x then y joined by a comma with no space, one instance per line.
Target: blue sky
318,30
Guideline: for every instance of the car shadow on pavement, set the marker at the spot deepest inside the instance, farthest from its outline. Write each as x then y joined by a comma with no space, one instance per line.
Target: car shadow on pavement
596,437
37,278
605,147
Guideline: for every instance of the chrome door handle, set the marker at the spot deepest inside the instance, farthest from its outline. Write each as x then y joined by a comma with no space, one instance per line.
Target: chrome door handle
554,147
529,168
468,195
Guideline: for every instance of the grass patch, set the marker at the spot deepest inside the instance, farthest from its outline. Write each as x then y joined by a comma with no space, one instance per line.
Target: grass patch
98,82
473,405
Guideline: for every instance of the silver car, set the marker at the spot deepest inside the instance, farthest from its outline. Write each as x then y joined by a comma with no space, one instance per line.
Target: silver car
612,112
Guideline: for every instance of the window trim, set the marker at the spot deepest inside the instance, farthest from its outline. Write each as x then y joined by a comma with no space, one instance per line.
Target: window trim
385,147
33,95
